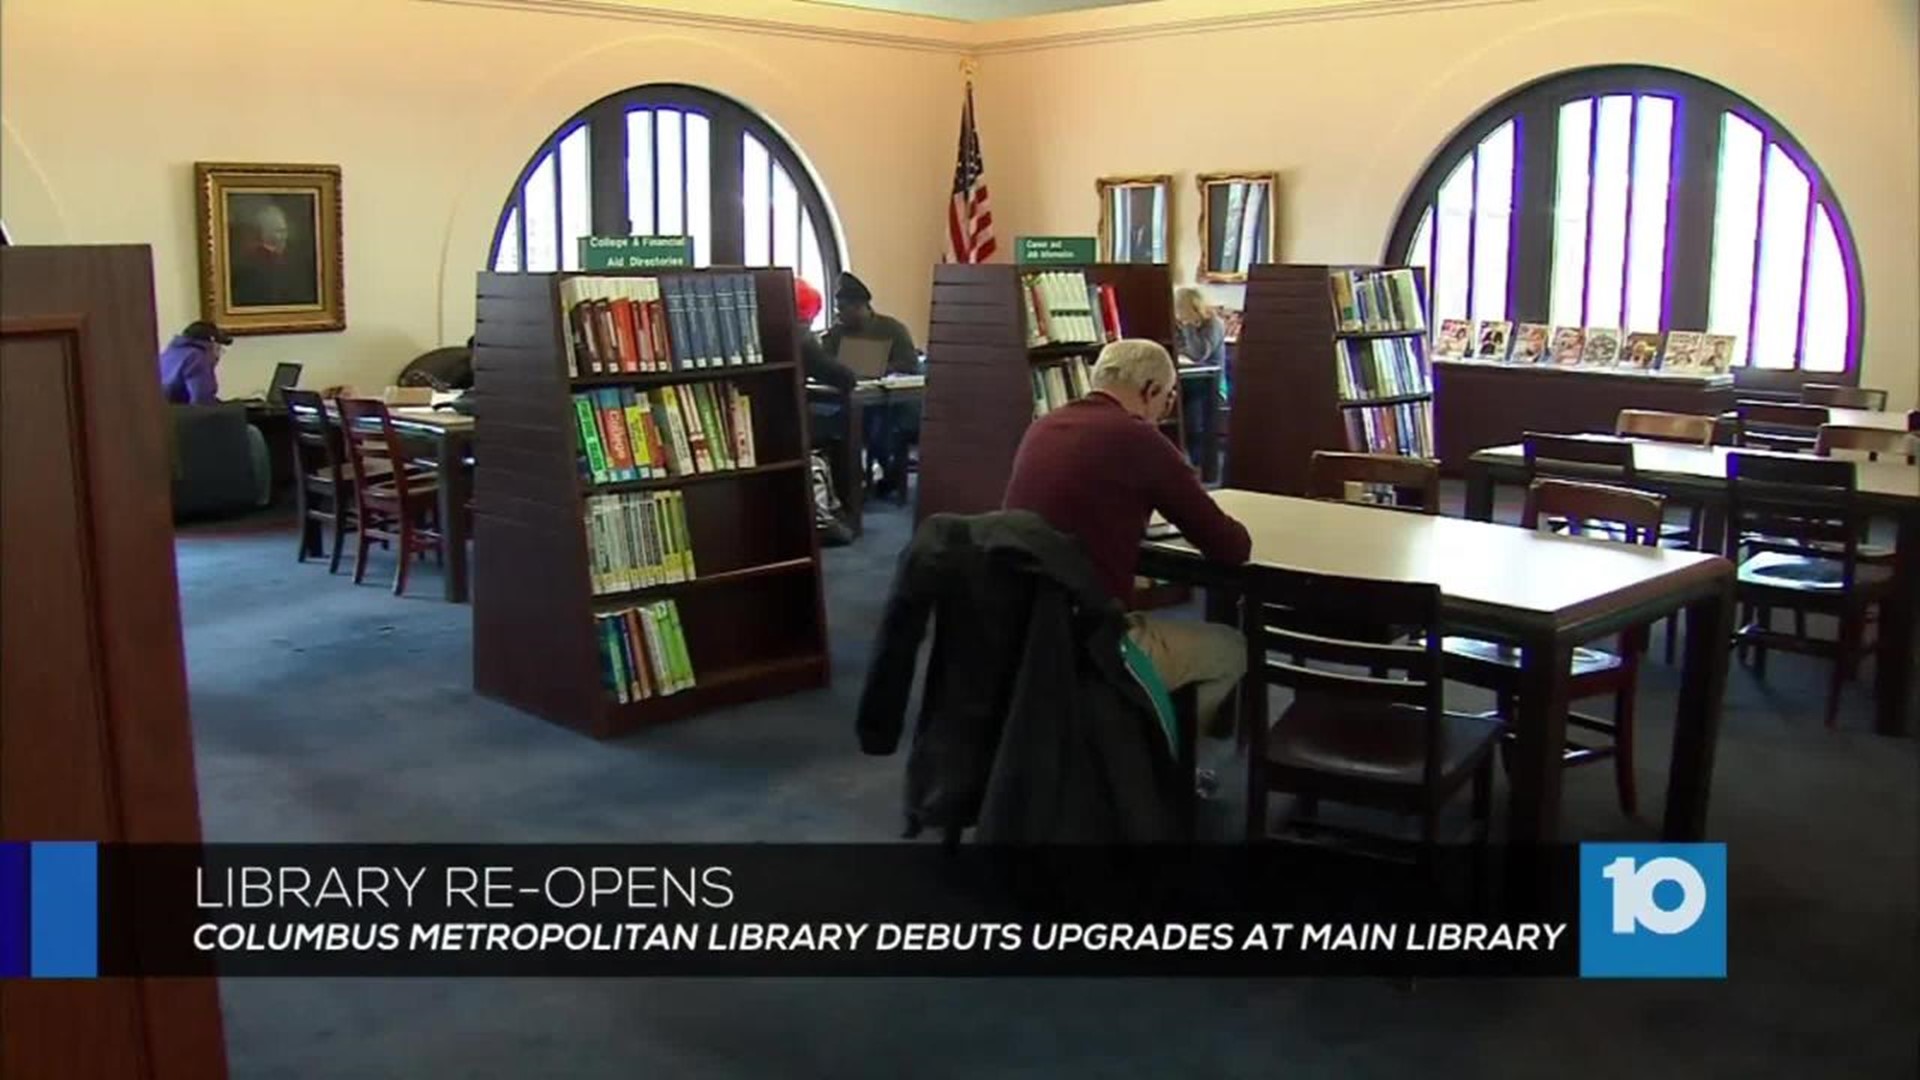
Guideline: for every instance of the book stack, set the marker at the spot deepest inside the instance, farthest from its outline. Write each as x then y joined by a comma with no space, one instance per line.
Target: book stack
1380,367
1064,309
643,652
1376,301
1405,429
620,325
1056,384
637,541
669,431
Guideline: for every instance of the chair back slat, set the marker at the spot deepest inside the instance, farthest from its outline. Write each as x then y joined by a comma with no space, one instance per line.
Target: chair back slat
1406,483
1606,460
1844,397
1638,514
1684,428
1835,440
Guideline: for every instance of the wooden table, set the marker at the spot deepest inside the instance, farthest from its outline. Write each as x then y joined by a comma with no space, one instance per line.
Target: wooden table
1699,474
1545,593
449,437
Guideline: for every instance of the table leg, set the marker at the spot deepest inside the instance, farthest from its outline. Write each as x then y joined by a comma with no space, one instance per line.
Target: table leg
1479,492
452,467
1540,741
1696,727
1894,661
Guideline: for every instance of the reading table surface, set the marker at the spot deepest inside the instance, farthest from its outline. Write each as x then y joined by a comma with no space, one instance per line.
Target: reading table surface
1545,593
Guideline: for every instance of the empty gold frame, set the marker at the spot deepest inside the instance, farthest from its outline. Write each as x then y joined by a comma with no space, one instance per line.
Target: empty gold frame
1236,223
1136,214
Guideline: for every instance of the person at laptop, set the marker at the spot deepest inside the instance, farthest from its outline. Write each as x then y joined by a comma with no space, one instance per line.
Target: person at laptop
189,363
890,429
1097,469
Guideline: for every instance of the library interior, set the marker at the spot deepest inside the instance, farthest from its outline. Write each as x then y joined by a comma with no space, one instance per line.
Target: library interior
1166,423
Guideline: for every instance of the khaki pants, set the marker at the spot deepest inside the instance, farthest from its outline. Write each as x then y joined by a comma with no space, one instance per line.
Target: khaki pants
1183,651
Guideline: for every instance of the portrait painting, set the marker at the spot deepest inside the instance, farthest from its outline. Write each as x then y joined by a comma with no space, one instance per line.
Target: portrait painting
270,247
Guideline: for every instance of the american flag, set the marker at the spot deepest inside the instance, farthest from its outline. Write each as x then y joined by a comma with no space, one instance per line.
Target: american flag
969,219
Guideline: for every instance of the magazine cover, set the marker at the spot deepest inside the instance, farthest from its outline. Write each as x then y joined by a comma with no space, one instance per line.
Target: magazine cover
1495,337
1567,345
1455,341
1641,352
1530,343
1602,347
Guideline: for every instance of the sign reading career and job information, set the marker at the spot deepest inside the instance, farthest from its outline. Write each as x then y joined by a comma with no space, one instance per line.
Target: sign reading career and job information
634,252
1070,250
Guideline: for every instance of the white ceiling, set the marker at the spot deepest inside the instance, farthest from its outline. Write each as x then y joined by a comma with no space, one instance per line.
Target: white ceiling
974,10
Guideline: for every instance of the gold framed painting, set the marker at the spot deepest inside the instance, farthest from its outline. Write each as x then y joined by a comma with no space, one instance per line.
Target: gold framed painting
270,247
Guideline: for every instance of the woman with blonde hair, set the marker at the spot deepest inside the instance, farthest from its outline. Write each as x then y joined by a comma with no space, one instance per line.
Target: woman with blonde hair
1198,331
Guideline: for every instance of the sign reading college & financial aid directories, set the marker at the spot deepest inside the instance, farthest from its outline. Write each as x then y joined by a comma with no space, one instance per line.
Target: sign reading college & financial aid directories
634,252
1078,250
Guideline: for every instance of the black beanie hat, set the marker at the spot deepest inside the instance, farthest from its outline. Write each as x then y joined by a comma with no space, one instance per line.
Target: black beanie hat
852,290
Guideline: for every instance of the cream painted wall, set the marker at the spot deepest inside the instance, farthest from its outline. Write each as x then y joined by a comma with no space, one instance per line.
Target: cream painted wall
1349,103
431,110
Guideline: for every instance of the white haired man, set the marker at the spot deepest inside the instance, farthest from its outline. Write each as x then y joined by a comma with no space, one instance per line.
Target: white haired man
1097,469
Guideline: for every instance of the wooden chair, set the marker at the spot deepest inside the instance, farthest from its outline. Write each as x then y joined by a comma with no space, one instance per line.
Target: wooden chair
1383,740
1769,425
1636,517
1795,530
1683,429
1404,483
1844,397
1842,441
403,508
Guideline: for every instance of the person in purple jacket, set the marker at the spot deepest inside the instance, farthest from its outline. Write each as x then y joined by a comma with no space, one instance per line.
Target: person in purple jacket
187,364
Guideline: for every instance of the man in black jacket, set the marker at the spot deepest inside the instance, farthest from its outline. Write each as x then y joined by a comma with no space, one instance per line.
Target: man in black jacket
1031,726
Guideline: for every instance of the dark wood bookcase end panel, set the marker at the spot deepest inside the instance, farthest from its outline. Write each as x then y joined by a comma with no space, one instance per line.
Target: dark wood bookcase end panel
754,619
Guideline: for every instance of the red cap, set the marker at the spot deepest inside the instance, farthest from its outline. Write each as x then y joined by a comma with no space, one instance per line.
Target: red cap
806,300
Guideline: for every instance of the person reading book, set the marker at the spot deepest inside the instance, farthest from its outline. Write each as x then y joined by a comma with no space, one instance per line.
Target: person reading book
891,428
1097,469
189,363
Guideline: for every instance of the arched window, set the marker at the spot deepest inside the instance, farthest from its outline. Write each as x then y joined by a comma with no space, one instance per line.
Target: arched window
1644,199
669,160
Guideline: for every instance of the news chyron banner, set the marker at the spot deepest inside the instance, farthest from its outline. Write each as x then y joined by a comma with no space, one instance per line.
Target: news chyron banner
81,910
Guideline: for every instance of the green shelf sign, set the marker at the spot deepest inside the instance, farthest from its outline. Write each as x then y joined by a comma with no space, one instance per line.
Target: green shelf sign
634,252
1075,250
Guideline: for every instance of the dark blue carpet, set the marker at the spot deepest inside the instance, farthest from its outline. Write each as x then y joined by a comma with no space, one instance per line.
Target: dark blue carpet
325,712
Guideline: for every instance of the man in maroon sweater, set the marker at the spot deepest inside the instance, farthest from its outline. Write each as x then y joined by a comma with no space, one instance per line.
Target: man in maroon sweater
1097,468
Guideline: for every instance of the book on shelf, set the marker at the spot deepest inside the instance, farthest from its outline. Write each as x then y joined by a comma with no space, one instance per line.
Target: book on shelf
1454,340
663,432
643,652
636,325
1063,308
1600,347
1405,429
637,540
1379,367
1640,351
1529,343
1055,385
1376,301
1493,338
1569,346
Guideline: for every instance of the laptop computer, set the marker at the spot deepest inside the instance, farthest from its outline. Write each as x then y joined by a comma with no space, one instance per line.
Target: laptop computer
285,377
866,357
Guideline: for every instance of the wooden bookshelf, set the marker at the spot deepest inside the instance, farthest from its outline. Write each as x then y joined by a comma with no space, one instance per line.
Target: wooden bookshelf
979,395
754,618
1286,382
